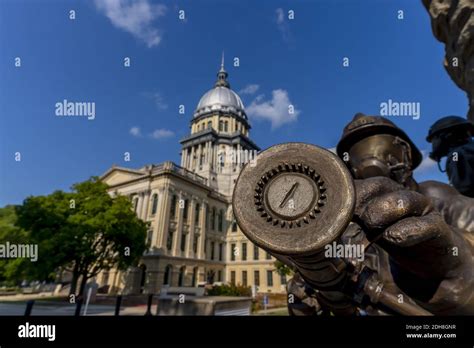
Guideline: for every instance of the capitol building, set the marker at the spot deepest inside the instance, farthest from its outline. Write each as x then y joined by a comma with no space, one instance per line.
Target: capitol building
193,237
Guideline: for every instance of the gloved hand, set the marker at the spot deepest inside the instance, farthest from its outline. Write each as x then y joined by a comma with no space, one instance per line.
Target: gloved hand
430,261
301,298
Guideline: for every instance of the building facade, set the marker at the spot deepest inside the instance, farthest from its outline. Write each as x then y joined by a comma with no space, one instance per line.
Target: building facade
193,237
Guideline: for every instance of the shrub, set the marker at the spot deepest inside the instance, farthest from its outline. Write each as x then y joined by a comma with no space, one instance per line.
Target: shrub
230,290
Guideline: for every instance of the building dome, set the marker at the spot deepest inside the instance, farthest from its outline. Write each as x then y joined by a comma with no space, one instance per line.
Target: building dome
221,98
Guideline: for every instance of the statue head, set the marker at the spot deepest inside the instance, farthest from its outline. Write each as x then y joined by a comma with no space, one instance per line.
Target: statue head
374,146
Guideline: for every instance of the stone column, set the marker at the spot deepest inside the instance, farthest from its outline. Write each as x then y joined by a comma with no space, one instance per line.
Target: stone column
202,237
190,243
162,218
139,204
146,204
179,228
184,153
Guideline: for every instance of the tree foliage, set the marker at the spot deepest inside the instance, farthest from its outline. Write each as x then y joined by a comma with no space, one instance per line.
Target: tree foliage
84,231
282,269
11,270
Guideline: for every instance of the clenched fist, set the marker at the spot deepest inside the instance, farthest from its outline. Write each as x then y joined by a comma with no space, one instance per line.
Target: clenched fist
430,260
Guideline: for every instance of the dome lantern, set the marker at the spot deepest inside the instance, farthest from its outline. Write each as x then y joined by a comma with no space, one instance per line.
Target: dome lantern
220,98
222,76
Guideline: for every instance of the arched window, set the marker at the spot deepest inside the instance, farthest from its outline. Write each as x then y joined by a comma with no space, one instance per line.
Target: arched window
221,126
168,275
209,124
226,126
154,204
182,272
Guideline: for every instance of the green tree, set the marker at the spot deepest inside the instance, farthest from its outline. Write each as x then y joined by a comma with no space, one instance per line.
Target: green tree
84,231
282,269
12,270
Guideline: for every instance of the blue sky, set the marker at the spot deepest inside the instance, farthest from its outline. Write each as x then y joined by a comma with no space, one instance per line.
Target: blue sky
174,62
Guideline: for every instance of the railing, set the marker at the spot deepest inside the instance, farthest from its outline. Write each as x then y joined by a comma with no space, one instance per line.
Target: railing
170,166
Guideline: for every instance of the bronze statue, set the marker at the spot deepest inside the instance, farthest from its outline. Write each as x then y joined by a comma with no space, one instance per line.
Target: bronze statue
308,205
451,137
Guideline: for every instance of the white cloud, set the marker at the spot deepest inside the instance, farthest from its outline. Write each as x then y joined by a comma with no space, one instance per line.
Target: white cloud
162,134
135,131
158,100
282,24
135,17
277,110
249,89
427,165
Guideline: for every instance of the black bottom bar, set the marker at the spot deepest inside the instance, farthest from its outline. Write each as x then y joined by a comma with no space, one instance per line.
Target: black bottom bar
136,331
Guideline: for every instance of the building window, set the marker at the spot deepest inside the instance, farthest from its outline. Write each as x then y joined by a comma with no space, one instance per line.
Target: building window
210,276
195,274
185,210
255,252
169,240
197,209
212,250
283,279
174,202
213,219
269,278
168,274
205,246
154,204
182,272
226,126
135,204
268,257
256,278
195,243
232,277
244,251
220,251
183,242
232,252
209,125
234,226
219,276
244,278
221,220
149,235
221,126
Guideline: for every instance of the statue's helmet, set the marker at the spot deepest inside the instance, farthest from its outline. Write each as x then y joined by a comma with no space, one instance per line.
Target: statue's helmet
449,124
364,126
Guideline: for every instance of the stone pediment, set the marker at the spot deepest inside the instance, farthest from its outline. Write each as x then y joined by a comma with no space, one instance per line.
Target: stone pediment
118,175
